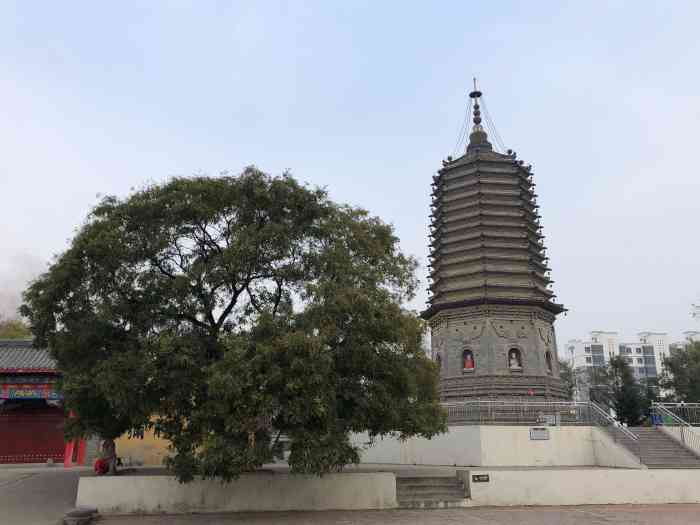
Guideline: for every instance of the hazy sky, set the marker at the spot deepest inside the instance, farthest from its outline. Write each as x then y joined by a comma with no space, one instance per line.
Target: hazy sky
366,98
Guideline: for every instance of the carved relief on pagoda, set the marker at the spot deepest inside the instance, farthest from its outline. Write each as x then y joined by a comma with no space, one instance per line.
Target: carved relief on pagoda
546,335
509,329
472,331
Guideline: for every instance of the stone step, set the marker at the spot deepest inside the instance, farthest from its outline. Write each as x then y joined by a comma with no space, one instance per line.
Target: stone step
659,450
421,494
682,453
663,446
668,452
428,486
430,492
673,458
671,466
433,482
657,439
432,503
669,459
677,457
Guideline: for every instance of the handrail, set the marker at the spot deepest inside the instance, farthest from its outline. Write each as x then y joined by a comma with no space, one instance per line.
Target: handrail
667,412
681,404
627,432
613,426
513,402
689,412
688,436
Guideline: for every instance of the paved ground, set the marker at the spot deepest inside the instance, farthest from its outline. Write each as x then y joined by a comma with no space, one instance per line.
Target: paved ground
36,495
588,515
40,496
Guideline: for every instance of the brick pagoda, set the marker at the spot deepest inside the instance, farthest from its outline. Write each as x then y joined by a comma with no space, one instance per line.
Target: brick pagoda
491,311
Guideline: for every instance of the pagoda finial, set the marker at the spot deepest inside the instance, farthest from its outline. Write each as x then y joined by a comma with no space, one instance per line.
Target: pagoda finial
476,95
478,137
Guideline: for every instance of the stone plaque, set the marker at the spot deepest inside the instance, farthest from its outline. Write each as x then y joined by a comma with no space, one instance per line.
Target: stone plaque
480,478
539,434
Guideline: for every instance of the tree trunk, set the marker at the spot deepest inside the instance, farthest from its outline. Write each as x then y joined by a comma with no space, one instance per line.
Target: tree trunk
109,454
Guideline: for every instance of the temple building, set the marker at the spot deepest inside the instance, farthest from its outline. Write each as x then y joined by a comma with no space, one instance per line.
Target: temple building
491,310
32,415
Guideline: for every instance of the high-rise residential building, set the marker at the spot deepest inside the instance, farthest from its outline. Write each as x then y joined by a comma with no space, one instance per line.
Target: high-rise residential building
645,355
491,310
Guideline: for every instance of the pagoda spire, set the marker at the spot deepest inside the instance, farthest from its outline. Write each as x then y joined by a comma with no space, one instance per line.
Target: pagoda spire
478,139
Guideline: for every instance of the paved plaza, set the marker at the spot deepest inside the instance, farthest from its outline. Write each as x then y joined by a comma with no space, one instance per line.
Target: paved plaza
40,496
36,495
588,515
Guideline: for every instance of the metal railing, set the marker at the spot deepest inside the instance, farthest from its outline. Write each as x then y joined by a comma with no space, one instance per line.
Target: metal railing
517,413
619,433
688,412
680,430
559,413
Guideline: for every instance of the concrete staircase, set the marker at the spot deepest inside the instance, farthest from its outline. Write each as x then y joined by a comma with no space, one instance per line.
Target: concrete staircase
430,493
659,450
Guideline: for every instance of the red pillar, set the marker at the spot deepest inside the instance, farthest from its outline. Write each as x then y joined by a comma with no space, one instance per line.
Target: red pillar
82,446
74,449
68,455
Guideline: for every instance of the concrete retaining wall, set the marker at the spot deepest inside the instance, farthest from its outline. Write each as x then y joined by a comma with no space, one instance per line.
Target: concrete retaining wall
502,446
251,492
585,487
608,453
471,445
512,446
460,446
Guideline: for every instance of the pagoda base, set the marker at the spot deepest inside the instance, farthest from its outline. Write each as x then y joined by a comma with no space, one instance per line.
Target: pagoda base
497,387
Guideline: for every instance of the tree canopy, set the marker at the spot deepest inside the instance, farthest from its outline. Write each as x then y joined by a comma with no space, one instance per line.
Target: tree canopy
681,373
229,311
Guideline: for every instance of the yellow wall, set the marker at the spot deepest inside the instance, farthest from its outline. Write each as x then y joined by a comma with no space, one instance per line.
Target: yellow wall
150,450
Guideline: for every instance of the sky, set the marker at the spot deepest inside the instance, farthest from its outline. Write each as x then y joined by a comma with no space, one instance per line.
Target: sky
366,99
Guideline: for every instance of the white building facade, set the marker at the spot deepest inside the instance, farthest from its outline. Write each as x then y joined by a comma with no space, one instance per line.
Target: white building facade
645,355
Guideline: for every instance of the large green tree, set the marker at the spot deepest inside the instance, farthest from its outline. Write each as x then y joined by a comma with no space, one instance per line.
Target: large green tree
229,311
681,373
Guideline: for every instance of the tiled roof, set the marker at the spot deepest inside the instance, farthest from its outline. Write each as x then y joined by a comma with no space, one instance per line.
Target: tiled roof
20,356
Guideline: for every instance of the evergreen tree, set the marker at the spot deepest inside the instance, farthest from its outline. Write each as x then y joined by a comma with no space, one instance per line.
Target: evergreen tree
567,377
628,396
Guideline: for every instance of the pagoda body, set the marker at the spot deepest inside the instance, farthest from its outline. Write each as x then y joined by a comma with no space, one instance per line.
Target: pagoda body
491,312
